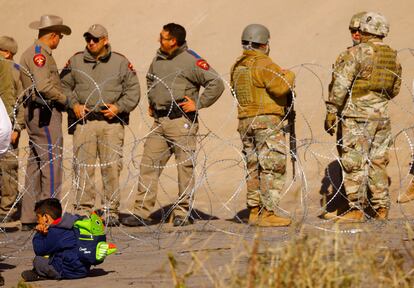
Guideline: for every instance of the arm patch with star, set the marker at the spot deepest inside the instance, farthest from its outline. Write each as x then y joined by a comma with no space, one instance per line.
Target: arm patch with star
39,59
200,61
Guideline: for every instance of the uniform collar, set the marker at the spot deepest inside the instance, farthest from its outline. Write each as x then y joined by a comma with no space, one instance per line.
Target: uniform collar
44,46
253,53
57,221
178,51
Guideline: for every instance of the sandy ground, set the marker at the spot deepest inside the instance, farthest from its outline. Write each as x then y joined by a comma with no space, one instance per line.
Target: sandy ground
306,36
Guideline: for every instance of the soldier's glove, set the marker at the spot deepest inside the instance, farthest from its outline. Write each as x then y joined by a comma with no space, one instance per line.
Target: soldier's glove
330,123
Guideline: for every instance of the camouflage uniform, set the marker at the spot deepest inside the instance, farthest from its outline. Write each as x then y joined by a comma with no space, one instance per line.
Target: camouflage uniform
370,74
10,164
261,89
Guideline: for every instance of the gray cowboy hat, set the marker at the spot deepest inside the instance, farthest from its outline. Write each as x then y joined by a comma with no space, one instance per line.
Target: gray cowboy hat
51,22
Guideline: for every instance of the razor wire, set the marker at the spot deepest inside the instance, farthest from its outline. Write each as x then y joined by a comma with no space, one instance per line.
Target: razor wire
315,152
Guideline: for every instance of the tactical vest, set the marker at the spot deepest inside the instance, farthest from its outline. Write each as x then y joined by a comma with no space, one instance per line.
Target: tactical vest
382,76
253,100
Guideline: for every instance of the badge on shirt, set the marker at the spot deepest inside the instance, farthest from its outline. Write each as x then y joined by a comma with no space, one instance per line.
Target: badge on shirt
203,64
39,60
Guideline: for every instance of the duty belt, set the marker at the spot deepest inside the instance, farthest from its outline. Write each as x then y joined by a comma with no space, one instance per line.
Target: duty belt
175,113
45,107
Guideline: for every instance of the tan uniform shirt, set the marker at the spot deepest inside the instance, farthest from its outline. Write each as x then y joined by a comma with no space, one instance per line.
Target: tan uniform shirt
39,68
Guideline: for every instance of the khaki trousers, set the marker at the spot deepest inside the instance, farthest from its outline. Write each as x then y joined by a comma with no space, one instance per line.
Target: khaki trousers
167,137
92,140
44,166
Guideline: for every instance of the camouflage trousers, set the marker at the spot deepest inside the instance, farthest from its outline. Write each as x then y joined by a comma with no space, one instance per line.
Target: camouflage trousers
264,149
365,157
9,189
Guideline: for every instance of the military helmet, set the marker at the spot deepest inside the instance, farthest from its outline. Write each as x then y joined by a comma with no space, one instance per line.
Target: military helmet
374,23
356,20
256,33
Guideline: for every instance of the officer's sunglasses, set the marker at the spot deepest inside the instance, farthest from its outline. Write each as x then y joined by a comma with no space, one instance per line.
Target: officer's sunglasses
94,39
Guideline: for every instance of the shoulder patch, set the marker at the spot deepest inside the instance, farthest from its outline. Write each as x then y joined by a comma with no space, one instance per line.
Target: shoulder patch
203,64
200,61
39,60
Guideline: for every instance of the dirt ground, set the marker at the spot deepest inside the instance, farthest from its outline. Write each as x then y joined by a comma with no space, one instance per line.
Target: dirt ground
306,36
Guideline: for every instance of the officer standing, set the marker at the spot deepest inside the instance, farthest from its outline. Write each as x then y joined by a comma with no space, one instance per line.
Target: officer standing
331,118
371,74
174,79
262,88
10,164
43,117
103,89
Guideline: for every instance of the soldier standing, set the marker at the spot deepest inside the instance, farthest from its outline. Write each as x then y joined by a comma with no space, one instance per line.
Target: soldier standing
174,79
261,88
100,115
6,90
10,164
332,118
371,75
43,116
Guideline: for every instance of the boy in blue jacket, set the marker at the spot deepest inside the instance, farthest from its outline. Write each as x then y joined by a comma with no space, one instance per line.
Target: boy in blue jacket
55,245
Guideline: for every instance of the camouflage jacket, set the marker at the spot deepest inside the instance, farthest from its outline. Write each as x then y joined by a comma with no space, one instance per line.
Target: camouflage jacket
355,90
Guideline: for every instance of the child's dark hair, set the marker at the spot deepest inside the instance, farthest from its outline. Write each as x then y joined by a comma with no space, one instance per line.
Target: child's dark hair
50,206
177,31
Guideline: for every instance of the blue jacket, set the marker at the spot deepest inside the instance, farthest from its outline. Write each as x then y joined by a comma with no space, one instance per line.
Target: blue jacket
60,243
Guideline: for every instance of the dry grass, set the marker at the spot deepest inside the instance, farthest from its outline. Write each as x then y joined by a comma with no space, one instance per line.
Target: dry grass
313,260
323,261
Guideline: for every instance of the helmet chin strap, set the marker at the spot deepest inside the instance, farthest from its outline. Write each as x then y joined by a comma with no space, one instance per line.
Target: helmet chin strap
267,50
250,47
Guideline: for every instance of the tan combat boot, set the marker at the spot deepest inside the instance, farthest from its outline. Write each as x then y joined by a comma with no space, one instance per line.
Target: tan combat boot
352,216
408,195
254,215
381,214
270,219
329,215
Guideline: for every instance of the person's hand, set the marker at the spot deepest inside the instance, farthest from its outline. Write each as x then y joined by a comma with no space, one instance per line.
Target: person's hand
14,139
42,228
330,123
189,105
110,112
80,110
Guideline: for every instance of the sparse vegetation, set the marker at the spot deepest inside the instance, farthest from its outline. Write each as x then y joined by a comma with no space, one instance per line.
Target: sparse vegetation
317,260
327,261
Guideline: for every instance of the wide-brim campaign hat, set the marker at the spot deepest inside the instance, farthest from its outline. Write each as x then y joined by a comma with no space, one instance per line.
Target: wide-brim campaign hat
52,23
